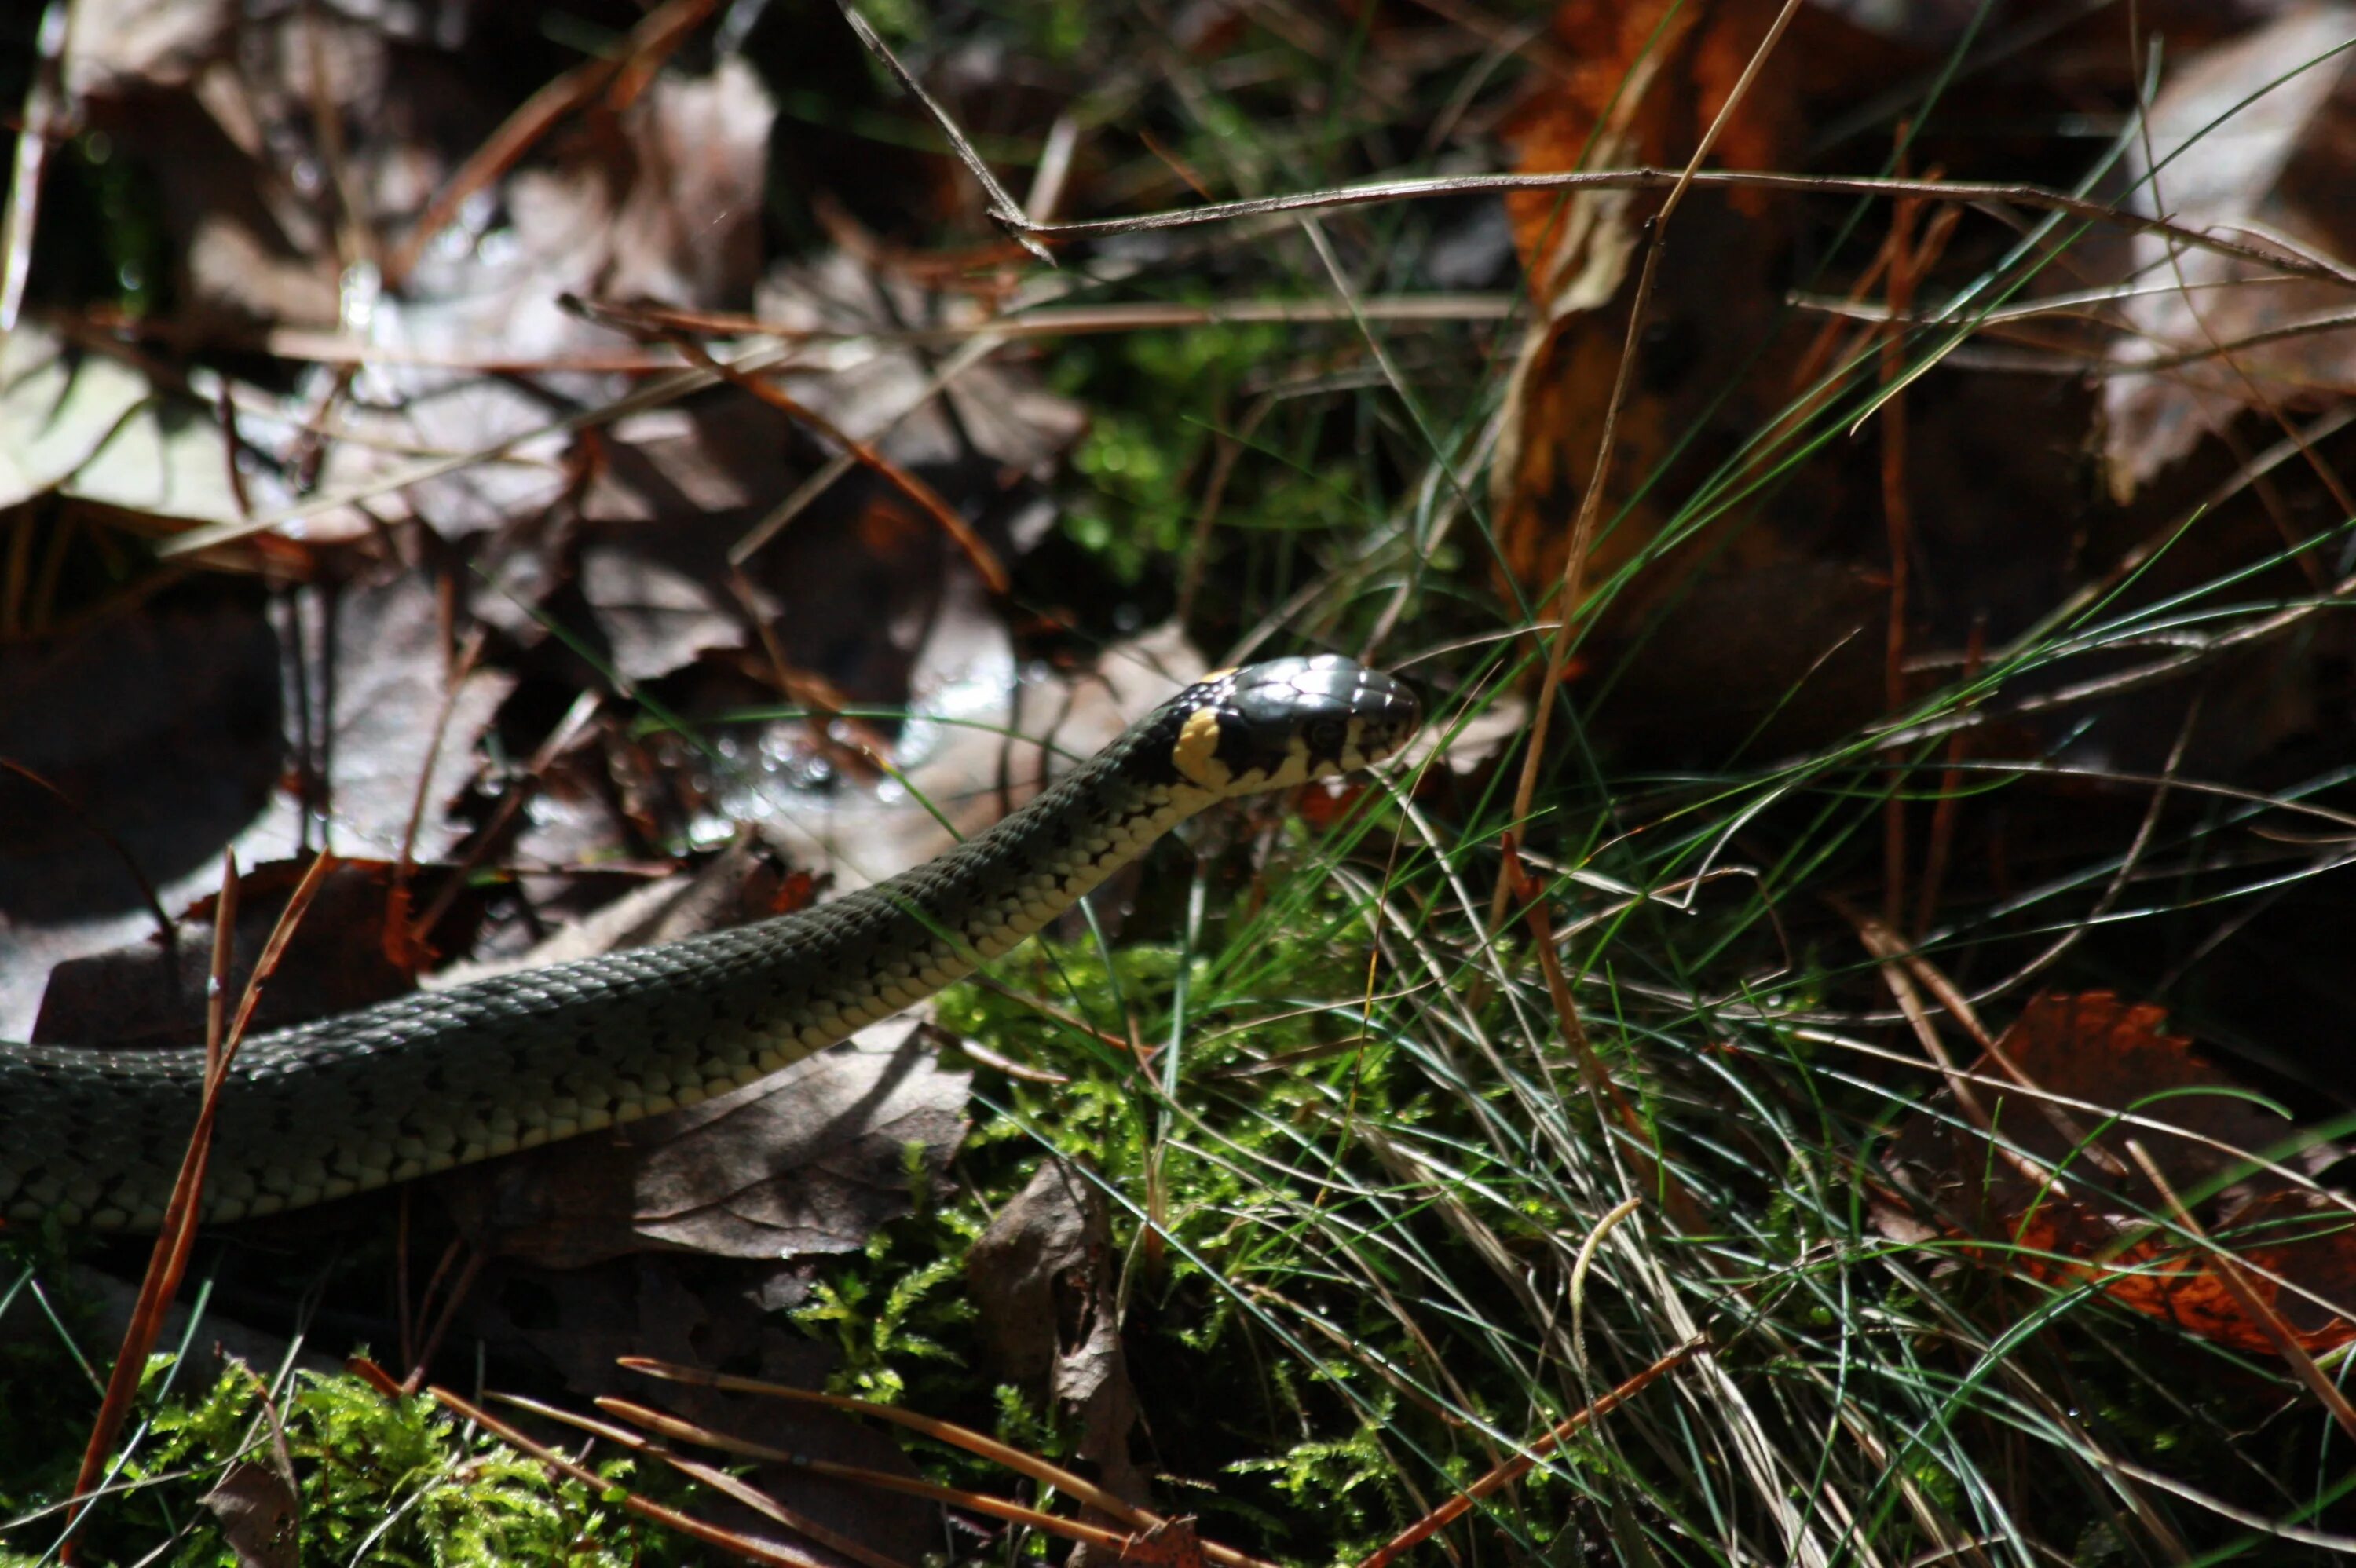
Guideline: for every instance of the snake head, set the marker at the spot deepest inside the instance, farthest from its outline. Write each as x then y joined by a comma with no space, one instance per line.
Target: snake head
1285,721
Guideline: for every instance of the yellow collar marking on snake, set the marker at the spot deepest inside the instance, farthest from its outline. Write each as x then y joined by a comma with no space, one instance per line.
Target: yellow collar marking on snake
1196,756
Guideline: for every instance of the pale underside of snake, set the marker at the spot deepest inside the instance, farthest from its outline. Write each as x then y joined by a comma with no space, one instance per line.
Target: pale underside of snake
441,1078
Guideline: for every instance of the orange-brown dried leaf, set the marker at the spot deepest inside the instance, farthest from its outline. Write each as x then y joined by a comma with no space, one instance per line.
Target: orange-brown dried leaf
1172,1544
1645,79
2073,1208
2096,1048
2161,1277
1644,82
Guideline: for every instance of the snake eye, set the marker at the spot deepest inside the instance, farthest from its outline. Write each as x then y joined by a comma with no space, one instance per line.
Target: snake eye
1326,735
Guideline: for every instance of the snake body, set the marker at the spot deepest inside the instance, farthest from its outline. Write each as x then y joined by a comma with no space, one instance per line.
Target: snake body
442,1079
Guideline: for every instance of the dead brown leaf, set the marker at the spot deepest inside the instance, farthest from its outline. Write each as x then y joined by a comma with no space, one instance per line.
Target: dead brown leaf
1042,1275
1646,81
2242,142
381,664
806,1161
2067,1204
259,1516
338,958
161,729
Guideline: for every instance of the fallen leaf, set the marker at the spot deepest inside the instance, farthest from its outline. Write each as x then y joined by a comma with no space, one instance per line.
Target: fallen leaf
147,995
1644,80
91,427
806,1161
1468,746
259,1516
980,737
57,406
2068,1203
1043,1276
675,217
745,881
380,669
162,730
2160,1277
2242,142
122,45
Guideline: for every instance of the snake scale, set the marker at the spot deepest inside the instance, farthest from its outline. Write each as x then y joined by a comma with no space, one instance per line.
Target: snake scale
441,1078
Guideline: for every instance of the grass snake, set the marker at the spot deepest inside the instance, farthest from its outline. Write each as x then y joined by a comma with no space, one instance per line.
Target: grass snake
439,1078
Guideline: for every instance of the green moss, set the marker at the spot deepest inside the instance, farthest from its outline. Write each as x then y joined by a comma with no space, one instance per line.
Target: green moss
382,1480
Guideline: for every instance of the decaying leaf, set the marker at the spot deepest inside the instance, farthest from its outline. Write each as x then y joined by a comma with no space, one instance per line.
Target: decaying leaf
259,1515
806,1161
1755,607
2247,139
1649,79
338,958
95,427
57,408
163,730
1044,1275
2062,1197
745,881
380,665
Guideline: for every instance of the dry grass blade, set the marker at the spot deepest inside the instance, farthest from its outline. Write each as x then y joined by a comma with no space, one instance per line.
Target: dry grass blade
1521,1464
1033,322
744,1546
761,1503
1975,193
168,1262
976,1502
972,1441
717,1479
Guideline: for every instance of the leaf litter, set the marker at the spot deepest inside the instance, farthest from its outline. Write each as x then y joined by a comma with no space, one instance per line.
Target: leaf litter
551,613
384,703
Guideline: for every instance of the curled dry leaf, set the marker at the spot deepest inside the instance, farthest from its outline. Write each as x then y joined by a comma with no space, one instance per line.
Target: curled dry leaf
1043,1275
1713,369
2065,1201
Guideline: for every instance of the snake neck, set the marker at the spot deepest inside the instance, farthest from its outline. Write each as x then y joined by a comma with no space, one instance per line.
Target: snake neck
910,934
